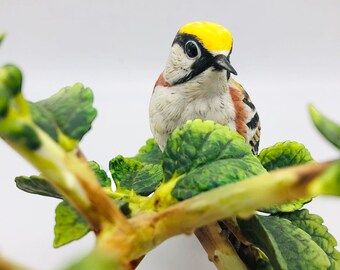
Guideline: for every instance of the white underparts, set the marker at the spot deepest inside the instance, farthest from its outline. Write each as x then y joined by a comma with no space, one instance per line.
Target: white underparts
205,97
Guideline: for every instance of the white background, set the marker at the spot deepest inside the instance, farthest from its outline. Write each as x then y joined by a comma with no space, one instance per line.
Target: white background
287,54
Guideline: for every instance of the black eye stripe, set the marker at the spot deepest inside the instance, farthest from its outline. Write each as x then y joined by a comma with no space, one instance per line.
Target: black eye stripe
201,64
181,39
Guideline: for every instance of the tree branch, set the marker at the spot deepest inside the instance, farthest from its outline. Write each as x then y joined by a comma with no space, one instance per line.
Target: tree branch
240,199
74,179
219,249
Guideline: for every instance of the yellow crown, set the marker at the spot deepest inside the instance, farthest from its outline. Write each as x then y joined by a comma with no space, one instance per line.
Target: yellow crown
212,35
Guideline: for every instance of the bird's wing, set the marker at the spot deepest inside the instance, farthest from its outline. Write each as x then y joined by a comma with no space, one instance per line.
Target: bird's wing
250,121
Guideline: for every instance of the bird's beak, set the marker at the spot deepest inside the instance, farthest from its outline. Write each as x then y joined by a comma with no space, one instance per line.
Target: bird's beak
222,62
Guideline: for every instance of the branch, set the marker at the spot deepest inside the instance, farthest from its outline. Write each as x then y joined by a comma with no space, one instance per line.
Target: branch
218,248
74,179
240,199
6,265
70,175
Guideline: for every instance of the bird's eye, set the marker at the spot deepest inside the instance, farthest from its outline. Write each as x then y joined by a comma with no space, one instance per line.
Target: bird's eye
191,49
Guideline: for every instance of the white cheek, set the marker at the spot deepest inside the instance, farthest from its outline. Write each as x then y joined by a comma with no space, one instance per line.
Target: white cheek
178,64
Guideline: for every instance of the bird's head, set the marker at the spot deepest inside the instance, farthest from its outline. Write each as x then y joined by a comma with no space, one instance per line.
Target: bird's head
197,48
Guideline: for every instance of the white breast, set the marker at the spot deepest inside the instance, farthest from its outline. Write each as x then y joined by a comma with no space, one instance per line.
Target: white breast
171,107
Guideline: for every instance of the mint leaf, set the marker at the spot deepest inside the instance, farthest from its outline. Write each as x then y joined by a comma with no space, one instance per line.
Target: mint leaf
284,155
207,155
10,86
4,99
215,174
22,134
72,109
2,37
313,225
329,129
150,153
102,177
69,225
36,185
44,119
14,115
131,174
65,117
286,207
11,79
286,245
69,112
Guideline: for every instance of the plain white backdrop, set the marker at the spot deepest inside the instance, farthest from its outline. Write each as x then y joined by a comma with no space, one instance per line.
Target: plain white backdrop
287,54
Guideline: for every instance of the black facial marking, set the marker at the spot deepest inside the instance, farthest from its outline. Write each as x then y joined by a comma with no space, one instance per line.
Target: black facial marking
205,61
191,46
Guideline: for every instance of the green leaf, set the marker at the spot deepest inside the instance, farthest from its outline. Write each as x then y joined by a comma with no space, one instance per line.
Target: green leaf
329,129
313,225
67,115
282,155
105,182
11,78
286,207
4,100
10,86
215,174
22,134
287,246
2,37
131,174
207,155
36,185
150,153
102,177
69,225
44,119
15,125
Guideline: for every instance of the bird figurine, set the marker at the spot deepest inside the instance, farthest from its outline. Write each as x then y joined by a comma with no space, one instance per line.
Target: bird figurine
197,83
